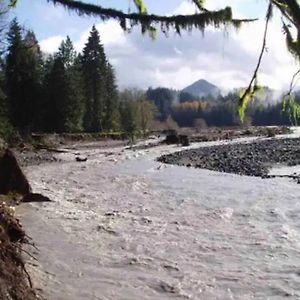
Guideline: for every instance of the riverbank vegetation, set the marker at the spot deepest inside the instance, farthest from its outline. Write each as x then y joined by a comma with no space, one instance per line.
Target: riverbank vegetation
71,92
65,92
186,110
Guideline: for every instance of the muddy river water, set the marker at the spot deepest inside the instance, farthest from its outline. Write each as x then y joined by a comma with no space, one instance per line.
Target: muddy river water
123,226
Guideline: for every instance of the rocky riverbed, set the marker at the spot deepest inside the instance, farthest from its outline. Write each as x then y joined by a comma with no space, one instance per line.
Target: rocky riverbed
252,159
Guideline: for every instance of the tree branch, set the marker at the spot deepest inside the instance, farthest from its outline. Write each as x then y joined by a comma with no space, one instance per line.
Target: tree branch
185,22
292,83
263,48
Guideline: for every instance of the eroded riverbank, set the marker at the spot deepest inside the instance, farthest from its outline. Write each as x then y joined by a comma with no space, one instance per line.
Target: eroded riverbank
124,226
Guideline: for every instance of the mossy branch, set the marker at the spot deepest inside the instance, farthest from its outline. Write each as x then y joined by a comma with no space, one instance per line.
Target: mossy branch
147,21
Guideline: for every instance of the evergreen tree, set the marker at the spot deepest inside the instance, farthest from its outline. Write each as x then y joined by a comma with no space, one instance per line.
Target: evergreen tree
163,99
94,77
110,100
47,99
23,66
33,80
55,87
76,103
67,52
129,115
63,91
5,127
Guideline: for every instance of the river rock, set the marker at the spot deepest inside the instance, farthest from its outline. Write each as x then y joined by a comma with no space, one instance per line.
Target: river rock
252,159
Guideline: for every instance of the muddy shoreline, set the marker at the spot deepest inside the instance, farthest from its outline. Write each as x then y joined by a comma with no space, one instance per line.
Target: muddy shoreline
251,159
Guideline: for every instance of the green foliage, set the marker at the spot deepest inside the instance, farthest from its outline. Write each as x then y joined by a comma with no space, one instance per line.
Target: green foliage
136,112
23,67
111,113
94,67
162,98
291,107
141,6
59,93
13,3
6,129
246,96
67,53
63,91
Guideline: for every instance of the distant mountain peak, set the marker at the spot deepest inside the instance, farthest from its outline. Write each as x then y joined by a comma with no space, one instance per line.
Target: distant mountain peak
202,88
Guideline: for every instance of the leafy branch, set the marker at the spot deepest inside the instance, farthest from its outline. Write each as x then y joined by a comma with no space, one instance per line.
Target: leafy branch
289,102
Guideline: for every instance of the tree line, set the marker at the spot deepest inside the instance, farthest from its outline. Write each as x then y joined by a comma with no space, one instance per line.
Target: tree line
182,109
66,91
77,92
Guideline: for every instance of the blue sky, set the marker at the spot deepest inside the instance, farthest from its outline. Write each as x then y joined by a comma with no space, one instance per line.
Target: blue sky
224,57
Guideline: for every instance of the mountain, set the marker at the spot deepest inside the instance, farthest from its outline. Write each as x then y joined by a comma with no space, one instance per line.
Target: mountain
202,88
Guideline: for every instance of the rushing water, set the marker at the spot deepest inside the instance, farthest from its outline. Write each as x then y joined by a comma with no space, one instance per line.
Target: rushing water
124,226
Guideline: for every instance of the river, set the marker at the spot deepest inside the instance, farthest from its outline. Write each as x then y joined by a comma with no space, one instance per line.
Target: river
123,226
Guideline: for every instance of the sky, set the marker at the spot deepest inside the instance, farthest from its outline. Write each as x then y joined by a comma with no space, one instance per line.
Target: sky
222,56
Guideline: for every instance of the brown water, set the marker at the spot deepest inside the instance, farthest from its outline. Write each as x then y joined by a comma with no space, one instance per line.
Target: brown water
123,226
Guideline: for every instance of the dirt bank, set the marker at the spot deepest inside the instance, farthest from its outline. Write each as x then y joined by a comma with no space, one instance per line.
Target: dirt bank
15,282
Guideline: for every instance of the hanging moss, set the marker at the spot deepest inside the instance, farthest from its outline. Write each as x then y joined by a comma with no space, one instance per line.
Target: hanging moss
150,21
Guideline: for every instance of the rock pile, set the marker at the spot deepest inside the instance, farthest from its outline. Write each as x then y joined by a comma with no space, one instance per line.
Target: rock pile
252,159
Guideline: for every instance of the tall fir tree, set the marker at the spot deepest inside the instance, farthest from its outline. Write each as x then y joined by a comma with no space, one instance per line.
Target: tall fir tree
94,73
34,78
63,91
67,52
5,127
76,105
23,66
111,117
55,95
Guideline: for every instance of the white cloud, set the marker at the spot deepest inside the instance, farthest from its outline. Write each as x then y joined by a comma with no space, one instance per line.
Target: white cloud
111,34
185,8
51,44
